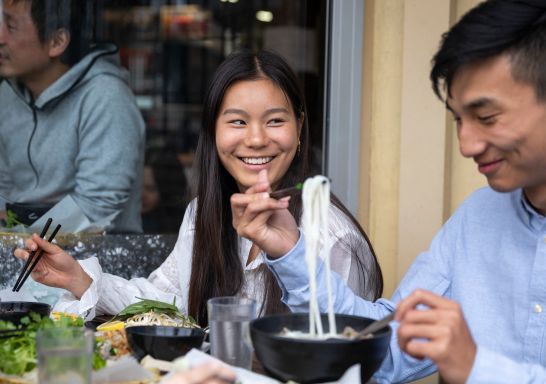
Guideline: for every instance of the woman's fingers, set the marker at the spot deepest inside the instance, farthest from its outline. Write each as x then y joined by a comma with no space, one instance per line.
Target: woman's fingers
46,245
21,254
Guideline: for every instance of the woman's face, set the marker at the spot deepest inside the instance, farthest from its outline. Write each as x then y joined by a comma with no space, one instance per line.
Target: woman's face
256,129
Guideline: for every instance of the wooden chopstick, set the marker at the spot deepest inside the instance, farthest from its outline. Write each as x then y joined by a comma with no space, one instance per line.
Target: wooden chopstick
31,256
37,258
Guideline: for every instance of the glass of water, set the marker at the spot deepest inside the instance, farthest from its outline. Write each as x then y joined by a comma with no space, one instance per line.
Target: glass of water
65,355
229,319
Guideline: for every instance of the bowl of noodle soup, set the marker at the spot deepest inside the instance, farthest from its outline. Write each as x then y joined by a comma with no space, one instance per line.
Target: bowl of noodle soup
298,357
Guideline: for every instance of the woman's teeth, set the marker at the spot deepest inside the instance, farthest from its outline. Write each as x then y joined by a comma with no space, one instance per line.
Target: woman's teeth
257,160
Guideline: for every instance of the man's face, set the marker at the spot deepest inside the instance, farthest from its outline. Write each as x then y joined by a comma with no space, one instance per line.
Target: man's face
22,55
501,125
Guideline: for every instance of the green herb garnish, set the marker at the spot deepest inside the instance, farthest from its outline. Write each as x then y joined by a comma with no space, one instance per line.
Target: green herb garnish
18,353
12,220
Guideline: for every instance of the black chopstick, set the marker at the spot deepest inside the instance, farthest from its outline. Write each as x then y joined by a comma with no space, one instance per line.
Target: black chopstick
37,258
298,188
287,191
31,256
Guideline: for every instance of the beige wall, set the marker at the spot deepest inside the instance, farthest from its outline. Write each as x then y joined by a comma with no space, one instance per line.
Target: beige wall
413,176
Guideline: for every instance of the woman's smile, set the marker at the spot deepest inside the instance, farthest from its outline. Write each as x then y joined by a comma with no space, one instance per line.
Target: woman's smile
257,160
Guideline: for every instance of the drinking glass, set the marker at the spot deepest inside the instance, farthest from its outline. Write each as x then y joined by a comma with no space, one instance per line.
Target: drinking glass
64,355
229,319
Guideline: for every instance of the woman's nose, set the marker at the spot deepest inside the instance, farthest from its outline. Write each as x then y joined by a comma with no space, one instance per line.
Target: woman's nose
256,136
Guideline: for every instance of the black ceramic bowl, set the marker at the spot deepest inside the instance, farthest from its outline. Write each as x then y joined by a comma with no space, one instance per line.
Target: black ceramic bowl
162,342
313,361
14,311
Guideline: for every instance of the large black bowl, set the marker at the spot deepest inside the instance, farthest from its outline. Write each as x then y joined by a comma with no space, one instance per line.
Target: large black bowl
14,311
312,361
162,342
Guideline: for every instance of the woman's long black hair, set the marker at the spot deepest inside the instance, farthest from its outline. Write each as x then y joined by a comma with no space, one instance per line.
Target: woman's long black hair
216,265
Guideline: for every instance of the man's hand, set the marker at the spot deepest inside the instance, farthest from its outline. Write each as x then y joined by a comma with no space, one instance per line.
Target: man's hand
264,220
439,333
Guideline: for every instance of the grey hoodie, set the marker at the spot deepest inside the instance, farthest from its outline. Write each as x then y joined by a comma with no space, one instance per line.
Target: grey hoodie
83,136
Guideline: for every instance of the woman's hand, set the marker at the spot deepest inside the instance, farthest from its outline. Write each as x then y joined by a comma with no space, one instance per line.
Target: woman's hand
439,333
264,220
56,268
207,373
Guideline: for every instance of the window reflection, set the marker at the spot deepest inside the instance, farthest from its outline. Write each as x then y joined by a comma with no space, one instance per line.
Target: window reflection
171,48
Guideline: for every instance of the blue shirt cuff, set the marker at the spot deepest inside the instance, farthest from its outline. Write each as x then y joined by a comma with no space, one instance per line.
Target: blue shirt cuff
291,269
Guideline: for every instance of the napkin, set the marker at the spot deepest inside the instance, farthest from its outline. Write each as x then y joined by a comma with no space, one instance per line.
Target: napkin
196,357
23,295
72,218
70,215
124,369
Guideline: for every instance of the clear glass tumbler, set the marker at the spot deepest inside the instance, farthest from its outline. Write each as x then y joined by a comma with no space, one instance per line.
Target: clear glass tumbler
229,319
65,355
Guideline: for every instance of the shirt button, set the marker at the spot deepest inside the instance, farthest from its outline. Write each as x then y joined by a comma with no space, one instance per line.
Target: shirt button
538,308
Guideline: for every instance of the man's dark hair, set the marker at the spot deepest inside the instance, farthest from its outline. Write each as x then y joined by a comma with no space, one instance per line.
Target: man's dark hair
76,16
516,28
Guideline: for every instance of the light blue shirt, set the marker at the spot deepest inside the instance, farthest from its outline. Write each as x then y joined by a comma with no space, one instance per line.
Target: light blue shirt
490,257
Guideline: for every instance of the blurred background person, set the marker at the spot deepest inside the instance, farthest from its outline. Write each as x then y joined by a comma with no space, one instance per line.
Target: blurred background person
69,124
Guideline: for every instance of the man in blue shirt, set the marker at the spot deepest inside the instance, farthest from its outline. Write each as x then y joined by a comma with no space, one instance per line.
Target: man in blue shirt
473,306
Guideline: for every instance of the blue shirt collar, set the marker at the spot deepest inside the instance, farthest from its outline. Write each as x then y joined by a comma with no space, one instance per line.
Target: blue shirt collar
533,219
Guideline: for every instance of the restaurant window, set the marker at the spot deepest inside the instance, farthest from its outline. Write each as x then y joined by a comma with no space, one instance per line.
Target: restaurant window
171,49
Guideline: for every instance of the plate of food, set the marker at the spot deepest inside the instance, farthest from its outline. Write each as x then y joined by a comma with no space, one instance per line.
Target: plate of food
112,351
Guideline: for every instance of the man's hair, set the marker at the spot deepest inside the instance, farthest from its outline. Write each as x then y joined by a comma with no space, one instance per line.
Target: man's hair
76,16
516,28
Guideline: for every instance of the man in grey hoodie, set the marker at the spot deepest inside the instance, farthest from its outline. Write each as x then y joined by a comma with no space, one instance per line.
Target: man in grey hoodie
69,124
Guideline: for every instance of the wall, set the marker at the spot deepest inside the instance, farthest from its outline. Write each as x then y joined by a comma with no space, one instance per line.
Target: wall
412,175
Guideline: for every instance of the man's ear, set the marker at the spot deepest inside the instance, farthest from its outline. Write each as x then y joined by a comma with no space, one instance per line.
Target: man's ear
58,43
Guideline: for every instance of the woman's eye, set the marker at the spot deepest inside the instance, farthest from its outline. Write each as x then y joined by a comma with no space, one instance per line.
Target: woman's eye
275,122
237,122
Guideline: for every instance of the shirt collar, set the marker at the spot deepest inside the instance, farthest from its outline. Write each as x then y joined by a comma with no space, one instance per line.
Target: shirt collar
534,219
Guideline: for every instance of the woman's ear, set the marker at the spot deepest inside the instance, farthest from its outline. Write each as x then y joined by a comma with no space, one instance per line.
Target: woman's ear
301,119
58,43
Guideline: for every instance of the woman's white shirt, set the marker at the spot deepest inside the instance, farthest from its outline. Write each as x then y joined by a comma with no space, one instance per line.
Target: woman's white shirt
170,281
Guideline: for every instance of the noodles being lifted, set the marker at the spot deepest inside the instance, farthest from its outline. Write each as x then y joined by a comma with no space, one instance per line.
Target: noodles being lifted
316,203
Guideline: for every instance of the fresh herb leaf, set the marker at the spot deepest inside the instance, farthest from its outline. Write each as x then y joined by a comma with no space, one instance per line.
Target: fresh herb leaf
12,220
18,353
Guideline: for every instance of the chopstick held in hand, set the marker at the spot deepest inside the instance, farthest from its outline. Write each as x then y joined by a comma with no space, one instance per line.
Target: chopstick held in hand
31,256
37,259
